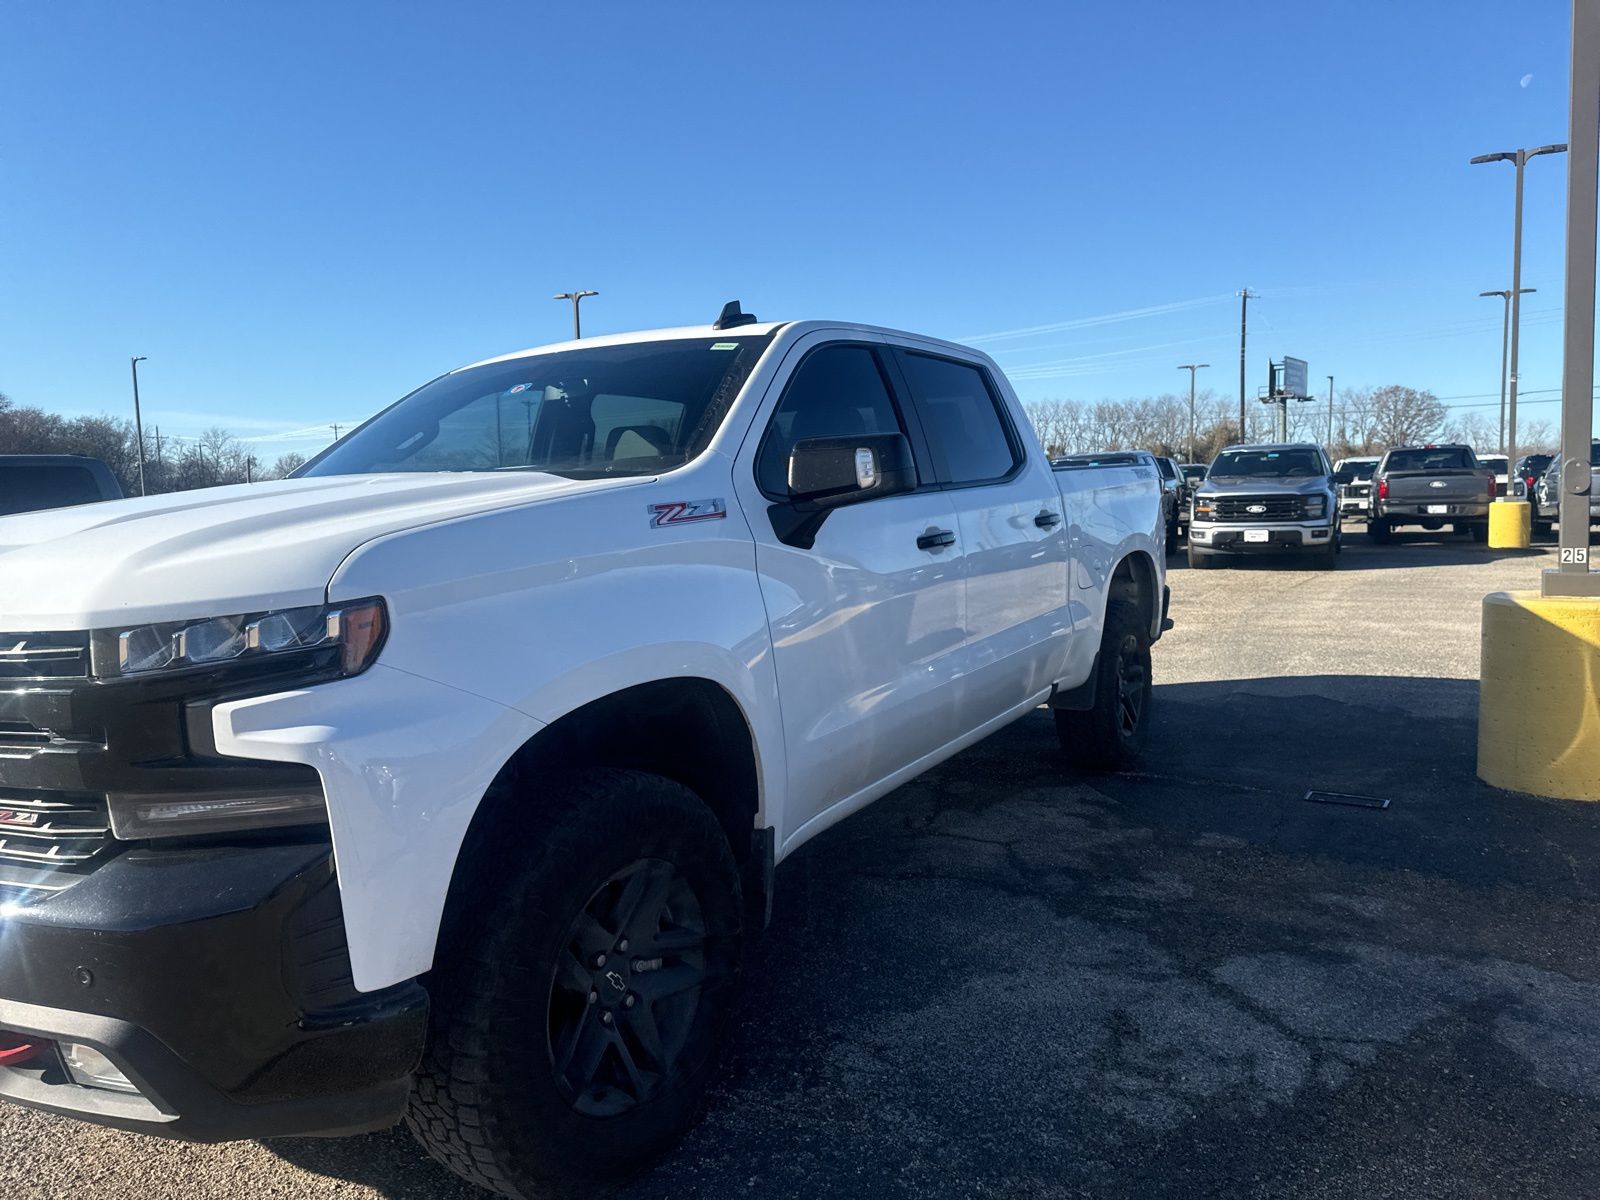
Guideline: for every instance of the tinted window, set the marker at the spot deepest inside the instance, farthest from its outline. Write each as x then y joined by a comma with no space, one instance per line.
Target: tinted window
965,430
28,487
836,392
1594,455
1351,472
630,409
1164,465
1297,464
1437,458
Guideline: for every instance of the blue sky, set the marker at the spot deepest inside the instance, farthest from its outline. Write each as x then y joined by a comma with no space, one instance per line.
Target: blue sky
300,211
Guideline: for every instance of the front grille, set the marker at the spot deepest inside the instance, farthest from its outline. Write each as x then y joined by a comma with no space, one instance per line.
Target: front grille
1257,508
48,841
44,656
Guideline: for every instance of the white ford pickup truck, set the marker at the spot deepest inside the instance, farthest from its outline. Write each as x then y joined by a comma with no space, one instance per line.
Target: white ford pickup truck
442,780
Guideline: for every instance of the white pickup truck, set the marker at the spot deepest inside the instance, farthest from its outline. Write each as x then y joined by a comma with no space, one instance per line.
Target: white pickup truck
441,780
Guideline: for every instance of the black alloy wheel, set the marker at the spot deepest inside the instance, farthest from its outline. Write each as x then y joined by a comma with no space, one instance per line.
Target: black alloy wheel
626,990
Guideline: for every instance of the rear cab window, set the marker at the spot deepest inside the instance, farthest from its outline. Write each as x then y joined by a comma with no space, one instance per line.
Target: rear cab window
32,487
1435,458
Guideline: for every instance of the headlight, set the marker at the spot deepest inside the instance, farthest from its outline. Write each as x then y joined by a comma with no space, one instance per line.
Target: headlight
135,816
357,629
1316,506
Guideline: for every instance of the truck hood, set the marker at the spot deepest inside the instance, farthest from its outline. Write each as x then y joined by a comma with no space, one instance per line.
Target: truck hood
1262,485
237,549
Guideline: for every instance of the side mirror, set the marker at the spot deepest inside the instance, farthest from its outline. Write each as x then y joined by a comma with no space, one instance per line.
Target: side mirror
832,472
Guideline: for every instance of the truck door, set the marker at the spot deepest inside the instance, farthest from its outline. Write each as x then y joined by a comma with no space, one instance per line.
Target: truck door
1012,529
867,623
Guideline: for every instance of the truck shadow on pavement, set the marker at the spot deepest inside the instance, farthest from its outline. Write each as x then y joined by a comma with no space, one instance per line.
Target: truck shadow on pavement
1010,979
1360,554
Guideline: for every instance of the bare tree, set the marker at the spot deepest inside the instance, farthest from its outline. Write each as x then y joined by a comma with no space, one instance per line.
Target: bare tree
286,465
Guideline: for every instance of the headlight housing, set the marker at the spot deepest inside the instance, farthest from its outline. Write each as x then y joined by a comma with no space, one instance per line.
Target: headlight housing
357,628
1317,506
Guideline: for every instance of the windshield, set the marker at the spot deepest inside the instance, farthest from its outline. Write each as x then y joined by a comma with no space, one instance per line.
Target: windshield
1431,458
1194,474
1164,465
633,409
1496,463
1298,463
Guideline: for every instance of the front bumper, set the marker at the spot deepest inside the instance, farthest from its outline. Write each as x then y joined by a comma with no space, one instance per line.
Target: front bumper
1231,537
217,980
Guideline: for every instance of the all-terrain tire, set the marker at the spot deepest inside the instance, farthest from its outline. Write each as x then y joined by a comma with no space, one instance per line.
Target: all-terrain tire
489,1101
1199,559
1380,531
1111,735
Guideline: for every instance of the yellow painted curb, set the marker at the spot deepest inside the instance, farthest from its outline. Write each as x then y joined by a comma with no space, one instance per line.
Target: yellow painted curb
1510,525
1539,699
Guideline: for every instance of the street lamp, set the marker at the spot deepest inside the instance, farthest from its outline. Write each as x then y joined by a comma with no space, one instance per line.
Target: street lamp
576,298
1192,368
138,421
1520,158
1505,334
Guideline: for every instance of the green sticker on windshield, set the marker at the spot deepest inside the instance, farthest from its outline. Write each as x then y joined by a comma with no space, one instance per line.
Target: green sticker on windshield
724,345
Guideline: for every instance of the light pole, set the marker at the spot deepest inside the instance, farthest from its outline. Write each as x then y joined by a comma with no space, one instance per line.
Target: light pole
576,298
1192,368
1520,158
1505,336
1330,413
1245,296
138,421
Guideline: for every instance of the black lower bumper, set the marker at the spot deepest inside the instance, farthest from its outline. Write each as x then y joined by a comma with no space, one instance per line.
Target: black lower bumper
217,980
1278,541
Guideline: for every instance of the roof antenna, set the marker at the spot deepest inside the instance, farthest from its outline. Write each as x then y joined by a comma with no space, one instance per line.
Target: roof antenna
733,316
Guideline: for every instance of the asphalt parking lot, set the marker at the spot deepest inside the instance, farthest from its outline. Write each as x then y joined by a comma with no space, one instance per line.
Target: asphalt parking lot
1009,980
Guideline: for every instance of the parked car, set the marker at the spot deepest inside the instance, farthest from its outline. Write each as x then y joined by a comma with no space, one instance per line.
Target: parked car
1431,486
1548,511
30,482
1353,476
1499,466
1530,469
558,656
1169,488
1194,474
1172,479
1277,498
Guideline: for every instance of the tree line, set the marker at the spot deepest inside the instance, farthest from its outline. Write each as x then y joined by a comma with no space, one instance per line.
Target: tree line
1365,421
171,464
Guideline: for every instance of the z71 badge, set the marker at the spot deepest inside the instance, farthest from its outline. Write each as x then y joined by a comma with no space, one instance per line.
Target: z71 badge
683,512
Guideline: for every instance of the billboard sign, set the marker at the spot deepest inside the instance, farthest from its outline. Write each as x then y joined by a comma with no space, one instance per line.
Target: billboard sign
1295,377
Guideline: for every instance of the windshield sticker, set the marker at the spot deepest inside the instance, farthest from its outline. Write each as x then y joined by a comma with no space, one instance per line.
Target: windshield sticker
684,512
724,345
521,387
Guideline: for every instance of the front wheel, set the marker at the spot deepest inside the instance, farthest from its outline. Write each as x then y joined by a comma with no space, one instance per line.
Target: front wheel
1111,735
1199,560
581,989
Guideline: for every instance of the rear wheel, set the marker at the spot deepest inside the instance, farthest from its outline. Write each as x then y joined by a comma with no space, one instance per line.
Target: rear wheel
1380,531
1110,736
1480,531
582,989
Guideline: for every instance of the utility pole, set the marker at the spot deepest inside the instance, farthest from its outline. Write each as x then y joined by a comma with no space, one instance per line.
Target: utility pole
1245,295
1505,337
1520,159
1192,368
335,428
161,467
1329,445
138,421
576,298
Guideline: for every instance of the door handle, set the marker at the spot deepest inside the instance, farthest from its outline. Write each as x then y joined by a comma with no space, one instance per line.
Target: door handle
935,539
1047,519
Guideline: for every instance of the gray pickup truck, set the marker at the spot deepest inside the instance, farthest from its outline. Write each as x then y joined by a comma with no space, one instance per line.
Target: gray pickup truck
1431,486
1268,499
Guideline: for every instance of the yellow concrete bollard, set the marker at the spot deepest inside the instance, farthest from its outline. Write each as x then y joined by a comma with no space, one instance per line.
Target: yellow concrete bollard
1510,525
1539,695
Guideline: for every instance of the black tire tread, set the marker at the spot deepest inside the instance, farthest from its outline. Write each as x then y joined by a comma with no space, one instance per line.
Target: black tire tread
1089,737
450,1111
